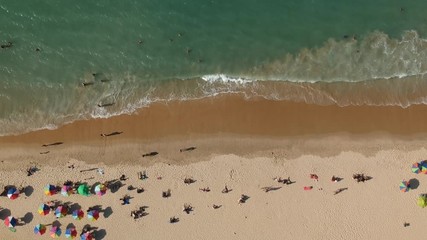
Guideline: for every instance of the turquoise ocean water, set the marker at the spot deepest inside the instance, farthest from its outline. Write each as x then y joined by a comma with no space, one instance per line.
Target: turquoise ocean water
366,52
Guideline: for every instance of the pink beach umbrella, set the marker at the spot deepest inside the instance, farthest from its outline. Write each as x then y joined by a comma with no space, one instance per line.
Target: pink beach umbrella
61,211
10,222
55,232
66,190
86,236
100,189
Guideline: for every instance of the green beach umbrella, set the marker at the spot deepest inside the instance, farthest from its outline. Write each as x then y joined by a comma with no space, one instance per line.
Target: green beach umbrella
83,190
422,201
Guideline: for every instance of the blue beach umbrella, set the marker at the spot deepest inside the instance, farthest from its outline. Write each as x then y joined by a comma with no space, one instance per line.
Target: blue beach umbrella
12,193
71,233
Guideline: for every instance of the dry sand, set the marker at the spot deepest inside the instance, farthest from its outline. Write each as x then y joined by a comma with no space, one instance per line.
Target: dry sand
243,144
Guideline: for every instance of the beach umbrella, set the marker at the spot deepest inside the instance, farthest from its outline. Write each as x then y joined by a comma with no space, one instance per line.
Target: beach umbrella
49,190
416,168
44,209
423,167
66,190
93,215
55,232
40,229
83,190
404,186
71,233
78,214
422,201
61,211
12,193
86,236
10,222
100,189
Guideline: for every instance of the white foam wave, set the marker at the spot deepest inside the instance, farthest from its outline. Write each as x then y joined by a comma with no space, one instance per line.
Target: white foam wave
222,78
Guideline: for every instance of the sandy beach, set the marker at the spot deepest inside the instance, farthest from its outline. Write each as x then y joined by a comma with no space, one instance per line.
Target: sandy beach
243,144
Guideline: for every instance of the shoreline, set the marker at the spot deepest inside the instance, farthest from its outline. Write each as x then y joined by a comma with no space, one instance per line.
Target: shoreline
229,124
233,114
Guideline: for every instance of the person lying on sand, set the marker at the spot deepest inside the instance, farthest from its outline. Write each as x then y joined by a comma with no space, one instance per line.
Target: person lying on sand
205,189
150,154
142,175
31,170
335,179
110,134
187,149
166,194
314,177
126,199
123,178
286,181
243,198
216,206
339,190
173,220
189,181
140,190
226,190
187,208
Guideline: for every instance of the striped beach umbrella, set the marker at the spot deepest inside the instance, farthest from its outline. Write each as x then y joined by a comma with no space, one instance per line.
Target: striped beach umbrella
10,222
55,232
416,168
93,215
100,189
404,186
40,229
83,190
66,190
49,190
423,167
78,214
71,233
86,236
61,211
12,193
44,209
